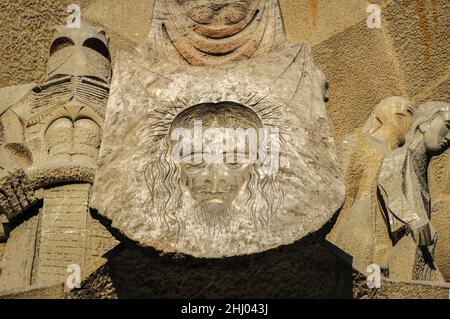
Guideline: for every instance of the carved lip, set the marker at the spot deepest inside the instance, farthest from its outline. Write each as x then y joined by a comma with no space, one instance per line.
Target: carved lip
216,193
223,31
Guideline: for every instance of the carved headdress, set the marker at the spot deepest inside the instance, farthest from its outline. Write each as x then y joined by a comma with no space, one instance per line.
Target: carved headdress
81,52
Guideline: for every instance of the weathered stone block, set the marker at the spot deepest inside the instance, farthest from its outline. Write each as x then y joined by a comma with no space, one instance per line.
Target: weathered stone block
418,31
361,70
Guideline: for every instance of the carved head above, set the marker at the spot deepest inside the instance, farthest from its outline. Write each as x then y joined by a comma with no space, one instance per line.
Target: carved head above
79,52
390,121
211,32
217,19
433,122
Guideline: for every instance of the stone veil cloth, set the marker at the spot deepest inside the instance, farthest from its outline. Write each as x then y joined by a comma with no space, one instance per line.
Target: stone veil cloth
245,62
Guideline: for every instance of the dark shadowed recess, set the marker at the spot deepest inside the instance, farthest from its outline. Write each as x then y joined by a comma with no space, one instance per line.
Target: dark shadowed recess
305,269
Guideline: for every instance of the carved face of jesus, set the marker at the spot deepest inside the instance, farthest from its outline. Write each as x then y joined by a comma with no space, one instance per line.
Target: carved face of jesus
437,137
214,185
216,163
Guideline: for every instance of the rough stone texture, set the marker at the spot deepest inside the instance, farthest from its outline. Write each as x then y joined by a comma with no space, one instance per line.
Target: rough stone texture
154,88
386,218
315,21
35,292
17,261
440,173
17,195
418,31
369,52
40,249
96,283
439,91
26,26
280,273
58,248
2,249
129,18
52,133
360,229
361,72
413,290
394,289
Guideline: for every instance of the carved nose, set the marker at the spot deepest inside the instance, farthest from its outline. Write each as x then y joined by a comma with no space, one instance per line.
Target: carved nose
214,179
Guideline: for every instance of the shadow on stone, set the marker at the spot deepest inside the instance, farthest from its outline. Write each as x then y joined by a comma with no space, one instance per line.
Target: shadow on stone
305,269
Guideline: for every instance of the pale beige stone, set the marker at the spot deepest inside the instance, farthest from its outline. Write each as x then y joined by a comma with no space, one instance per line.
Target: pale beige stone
316,21
386,219
166,84
16,193
405,195
129,18
360,230
363,65
50,143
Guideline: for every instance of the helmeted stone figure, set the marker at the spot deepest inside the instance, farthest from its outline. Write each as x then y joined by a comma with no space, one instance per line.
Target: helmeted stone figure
405,195
51,139
360,230
208,68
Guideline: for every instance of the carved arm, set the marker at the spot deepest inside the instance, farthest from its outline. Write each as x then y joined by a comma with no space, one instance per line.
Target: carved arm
16,194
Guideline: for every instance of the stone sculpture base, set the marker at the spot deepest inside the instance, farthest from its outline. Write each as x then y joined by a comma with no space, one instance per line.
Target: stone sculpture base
306,269
63,233
206,278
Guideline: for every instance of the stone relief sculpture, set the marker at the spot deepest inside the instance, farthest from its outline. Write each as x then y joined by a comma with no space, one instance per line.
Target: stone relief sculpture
215,143
405,195
213,187
51,139
386,216
16,195
360,230
215,32
216,66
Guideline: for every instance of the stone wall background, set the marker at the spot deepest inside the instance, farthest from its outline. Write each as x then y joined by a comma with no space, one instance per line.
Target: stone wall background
408,56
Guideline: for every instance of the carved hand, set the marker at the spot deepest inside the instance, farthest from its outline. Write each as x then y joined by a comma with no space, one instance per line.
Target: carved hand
16,193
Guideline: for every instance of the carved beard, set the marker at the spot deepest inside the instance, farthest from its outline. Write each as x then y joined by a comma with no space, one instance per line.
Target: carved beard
215,218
